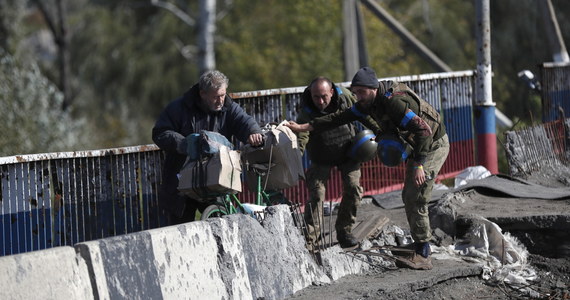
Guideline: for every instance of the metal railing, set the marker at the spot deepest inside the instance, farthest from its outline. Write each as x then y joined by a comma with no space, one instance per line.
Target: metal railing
451,93
538,147
555,90
545,145
57,199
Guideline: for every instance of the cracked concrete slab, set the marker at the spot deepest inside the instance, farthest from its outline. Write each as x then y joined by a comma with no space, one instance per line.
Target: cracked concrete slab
508,212
393,281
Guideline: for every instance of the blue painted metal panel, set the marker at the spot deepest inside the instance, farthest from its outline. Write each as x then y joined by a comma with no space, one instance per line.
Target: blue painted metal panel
555,91
557,100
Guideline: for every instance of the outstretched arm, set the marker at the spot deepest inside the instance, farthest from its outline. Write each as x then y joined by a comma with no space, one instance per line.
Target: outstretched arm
299,127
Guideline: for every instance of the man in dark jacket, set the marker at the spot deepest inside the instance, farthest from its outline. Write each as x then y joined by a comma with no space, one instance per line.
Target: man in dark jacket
206,106
397,109
329,148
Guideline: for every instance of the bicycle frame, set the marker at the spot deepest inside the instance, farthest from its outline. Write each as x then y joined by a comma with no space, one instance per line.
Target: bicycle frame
263,197
230,204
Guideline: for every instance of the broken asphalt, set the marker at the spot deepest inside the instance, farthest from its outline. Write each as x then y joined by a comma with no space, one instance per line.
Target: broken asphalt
535,214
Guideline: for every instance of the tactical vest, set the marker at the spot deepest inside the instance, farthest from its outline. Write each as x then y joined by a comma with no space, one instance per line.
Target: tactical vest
330,146
426,112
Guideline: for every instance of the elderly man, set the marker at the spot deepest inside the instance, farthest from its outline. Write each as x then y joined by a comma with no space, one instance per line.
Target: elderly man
206,106
398,110
327,149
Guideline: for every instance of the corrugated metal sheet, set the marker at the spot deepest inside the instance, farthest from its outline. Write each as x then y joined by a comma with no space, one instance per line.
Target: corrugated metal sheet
56,199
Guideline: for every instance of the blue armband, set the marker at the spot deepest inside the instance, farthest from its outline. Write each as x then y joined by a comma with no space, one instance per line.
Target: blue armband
355,111
407,119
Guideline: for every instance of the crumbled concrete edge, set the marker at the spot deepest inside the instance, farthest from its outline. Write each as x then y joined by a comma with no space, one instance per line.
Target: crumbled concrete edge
278,263
445,212
337,263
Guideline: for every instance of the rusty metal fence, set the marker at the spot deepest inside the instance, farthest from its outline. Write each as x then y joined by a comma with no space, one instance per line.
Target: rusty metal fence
57,199
533,148
536,148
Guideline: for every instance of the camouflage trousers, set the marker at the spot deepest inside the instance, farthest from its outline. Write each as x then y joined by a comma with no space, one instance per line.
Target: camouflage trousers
415,198
317,178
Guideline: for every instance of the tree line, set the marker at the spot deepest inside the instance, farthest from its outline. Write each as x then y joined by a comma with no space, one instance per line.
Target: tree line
124,60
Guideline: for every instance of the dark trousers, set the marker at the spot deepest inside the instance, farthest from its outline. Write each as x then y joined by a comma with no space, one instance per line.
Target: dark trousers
317,178
182,209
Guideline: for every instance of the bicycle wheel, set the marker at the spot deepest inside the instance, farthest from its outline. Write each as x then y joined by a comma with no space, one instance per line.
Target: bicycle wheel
214,211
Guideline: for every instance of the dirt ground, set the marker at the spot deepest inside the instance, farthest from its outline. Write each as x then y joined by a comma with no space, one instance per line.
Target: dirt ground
552,267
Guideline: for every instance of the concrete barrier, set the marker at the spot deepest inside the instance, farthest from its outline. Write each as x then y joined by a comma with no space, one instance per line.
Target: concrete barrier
176,262
277,260
235,257
56,273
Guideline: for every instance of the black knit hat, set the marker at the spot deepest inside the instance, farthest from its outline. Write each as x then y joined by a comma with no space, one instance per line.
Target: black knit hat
365,77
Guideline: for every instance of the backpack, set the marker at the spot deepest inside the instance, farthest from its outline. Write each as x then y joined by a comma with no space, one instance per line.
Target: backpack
206,143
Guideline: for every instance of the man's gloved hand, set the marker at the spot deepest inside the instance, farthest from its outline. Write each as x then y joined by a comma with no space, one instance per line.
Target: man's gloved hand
182,147
255,139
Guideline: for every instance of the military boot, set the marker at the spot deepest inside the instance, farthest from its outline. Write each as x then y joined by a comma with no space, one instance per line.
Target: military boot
347,240
417,258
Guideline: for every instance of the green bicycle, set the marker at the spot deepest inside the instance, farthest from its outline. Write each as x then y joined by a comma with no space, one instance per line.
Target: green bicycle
230,204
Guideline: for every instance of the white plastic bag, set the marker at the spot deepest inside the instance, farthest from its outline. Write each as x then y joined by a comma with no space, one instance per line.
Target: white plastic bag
471,173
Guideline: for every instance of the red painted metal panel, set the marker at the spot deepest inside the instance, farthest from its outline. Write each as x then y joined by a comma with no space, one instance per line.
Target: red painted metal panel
377,178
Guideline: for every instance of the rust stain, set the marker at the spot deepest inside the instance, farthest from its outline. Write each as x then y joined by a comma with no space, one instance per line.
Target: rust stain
57,202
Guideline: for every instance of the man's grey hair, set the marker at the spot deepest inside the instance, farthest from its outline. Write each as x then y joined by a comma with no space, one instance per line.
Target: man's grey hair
320,80
213,81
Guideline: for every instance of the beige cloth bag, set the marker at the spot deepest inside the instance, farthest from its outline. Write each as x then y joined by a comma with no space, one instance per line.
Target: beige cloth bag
218,174
280,156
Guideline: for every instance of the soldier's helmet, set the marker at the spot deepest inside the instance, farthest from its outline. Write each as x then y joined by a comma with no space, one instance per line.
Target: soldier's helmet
363,146
392,150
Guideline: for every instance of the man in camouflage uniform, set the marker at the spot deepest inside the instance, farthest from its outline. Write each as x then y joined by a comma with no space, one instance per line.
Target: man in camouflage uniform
398,109
329,148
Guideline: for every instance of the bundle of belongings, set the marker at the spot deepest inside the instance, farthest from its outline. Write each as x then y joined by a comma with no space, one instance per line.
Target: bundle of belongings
277,163
212,167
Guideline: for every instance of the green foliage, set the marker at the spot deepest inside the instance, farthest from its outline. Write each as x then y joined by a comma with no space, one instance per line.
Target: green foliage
11,14
131,68
518,43
127,56
31,119
445,27
274,44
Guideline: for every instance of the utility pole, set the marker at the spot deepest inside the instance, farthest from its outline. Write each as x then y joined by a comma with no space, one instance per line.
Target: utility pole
354,41
555,40
484,106
206,29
